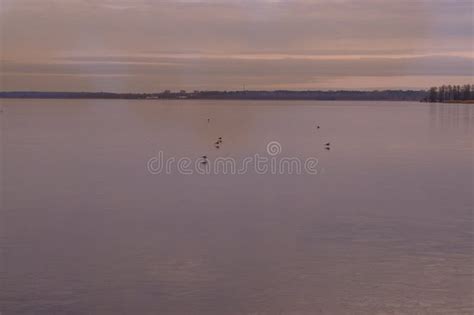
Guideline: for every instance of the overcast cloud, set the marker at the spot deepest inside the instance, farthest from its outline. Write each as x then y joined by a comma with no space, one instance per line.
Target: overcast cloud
144,45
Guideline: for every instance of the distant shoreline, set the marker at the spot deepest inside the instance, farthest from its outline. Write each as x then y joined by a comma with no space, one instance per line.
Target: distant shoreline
382,95
459,102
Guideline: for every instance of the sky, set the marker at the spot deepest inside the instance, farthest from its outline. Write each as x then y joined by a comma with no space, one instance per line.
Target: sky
150,46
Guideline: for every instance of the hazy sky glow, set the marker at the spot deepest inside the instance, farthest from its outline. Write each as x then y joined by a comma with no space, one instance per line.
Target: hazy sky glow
145,45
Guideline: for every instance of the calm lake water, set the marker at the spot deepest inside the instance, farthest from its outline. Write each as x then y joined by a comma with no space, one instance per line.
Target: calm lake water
384,227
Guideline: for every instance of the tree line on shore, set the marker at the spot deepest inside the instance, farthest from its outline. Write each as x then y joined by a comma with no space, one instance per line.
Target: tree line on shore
389,95
444,93
450,93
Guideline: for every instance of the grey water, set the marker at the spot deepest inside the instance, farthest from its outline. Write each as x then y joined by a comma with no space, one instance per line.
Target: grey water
385,225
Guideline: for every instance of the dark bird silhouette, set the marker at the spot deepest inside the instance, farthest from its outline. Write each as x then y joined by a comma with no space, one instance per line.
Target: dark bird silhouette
318,127
328,143
204,156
